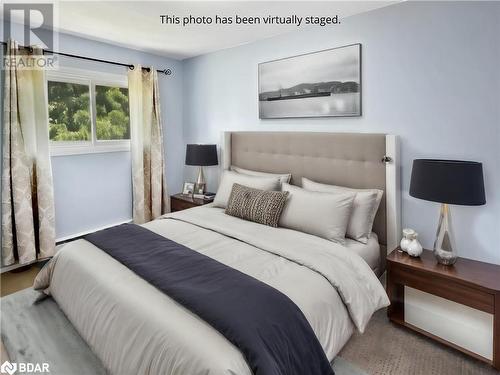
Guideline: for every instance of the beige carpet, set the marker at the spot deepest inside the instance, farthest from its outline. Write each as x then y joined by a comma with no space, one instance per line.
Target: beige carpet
387,349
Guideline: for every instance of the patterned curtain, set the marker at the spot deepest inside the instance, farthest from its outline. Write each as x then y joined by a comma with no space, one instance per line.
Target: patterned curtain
28,229
150,197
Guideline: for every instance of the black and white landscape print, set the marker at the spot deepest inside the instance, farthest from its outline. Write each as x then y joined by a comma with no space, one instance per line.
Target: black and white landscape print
325,83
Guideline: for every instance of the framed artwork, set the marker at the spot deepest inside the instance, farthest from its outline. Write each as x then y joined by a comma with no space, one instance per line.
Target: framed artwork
319,84
188,188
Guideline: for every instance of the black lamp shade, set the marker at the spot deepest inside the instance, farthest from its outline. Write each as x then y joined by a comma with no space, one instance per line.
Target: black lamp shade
448,181
201,155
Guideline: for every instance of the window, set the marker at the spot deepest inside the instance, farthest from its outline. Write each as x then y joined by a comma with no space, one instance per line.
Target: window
69,112
88,112
112,121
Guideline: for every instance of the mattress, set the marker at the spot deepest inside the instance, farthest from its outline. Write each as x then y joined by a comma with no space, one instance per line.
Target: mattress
136,329
370,252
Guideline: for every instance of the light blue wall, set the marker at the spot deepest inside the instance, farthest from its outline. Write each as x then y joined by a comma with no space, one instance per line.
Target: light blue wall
95,190
430,75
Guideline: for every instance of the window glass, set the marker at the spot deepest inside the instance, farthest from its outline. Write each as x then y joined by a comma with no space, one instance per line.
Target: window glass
69,112
112,115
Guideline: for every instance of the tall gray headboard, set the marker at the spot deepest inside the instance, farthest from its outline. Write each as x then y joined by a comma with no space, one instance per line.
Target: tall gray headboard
346,159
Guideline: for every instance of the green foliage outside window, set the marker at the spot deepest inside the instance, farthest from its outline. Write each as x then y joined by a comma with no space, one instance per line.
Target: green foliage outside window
112,120
69,112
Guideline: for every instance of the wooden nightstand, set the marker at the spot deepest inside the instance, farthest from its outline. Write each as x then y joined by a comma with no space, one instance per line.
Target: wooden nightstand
179,202
468,284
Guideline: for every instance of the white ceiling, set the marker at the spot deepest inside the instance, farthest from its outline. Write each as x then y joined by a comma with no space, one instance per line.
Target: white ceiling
136,24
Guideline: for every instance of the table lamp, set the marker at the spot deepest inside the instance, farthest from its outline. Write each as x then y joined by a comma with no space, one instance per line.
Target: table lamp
201,155
447,182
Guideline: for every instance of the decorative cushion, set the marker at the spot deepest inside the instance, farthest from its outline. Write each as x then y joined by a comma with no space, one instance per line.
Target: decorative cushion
321,214
283,177
364,209
259,206
229,178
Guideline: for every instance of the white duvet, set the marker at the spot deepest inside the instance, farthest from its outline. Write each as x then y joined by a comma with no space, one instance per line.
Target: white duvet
136,329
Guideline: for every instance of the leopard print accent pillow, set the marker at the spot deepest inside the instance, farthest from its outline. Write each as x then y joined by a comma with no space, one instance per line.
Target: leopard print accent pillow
259,206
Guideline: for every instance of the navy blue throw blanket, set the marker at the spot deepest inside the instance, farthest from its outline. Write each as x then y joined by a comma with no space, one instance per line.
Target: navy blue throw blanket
267,327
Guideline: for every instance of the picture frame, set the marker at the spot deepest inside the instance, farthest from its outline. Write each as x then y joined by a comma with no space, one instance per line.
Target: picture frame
199,188
188,188
325,83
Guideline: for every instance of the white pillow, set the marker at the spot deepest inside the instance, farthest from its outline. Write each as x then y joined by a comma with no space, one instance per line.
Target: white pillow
283,177
322,214
229,178
364,209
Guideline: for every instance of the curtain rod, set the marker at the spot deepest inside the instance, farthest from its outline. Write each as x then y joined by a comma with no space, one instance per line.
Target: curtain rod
166,71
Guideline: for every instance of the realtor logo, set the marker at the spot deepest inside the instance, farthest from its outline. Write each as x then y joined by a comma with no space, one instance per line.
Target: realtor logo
36,19
8,368
24,368
30,24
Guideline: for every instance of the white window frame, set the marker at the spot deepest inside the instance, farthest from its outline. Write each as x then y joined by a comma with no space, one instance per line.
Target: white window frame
91,79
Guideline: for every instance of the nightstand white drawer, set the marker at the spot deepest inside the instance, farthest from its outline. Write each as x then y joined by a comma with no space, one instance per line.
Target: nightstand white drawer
458,324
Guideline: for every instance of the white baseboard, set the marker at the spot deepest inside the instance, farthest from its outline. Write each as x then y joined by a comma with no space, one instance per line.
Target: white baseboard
84,233
62,239
17,265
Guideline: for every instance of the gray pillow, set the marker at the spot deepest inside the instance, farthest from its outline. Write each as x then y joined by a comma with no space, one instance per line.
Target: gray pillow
229,178
321,214
284,177
364,208
259,206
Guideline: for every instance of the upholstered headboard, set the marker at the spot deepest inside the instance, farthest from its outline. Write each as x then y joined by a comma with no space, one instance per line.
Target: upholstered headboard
347,159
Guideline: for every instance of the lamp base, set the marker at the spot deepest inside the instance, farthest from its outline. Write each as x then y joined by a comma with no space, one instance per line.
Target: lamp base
201,178
444,245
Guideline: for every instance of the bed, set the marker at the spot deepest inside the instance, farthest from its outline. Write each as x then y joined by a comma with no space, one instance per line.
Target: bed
136,329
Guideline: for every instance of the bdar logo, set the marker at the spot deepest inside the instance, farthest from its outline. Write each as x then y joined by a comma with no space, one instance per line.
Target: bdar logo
8,368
